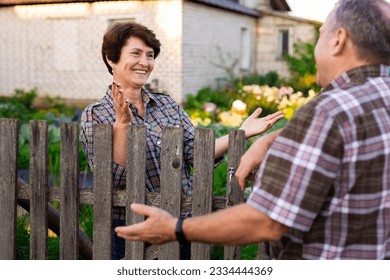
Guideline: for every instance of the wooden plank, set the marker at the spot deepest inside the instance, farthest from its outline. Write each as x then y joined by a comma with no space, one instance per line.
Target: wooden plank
135,184
171,180
39,189
69,173
8,195
234,195
120,198
102,183
203,184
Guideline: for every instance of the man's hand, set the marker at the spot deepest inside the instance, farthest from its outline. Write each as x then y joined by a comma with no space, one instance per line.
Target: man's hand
251,160
158,228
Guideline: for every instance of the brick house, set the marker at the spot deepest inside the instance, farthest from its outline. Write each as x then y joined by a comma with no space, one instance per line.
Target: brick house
54,45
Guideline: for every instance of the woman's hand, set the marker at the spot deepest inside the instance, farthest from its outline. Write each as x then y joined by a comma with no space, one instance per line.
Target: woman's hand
122,109
254,126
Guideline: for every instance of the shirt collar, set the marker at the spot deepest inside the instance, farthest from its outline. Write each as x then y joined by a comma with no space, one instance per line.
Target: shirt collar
358,75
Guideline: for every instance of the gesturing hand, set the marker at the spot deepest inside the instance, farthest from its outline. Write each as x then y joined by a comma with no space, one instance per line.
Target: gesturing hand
122,110
158,228
254,126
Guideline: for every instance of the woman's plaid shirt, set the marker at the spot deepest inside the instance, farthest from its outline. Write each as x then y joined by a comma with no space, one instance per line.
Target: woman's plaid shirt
327,177
160,111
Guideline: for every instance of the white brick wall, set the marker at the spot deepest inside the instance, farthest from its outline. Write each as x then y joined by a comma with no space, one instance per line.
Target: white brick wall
267,41
56,48
211,36
58,51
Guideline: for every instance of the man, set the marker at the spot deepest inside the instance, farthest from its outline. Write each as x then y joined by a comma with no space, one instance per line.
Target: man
323,189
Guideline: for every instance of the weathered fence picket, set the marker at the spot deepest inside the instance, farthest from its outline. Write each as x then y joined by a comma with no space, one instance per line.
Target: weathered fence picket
8,194
102,184
203,182
70,198
34,197
170,182
135,184
233,193
39,189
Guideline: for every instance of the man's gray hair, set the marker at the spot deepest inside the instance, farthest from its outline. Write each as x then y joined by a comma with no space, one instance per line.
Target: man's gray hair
368,27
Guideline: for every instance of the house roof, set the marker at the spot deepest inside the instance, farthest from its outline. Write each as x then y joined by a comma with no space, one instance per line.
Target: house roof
31,2
280,5
230,5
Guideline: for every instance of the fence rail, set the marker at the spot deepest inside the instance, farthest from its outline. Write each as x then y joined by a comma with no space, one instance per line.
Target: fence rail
35,196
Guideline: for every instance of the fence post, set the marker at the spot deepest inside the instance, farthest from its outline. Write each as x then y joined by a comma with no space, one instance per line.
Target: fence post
39,189
202,198
234,194
8,191
171,181
135,184
70,199
102,183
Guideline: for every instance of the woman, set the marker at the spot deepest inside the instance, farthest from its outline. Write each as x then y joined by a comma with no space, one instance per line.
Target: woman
129,51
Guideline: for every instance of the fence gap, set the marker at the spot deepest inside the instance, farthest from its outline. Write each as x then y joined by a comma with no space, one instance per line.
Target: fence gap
8,191
70,198
171,181
102,184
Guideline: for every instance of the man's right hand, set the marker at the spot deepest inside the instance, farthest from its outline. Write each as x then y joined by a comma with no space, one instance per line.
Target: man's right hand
251,160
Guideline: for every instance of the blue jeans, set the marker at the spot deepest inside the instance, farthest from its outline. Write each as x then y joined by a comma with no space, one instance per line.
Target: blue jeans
117,243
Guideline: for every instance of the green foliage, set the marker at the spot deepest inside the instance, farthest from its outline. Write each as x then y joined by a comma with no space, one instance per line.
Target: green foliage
302,67
21,106
223,99
86,219
23,241
302,62
271,79
22,238
248,252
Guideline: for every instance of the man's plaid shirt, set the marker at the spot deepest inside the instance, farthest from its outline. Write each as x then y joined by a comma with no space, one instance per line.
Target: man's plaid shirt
160,111
327,177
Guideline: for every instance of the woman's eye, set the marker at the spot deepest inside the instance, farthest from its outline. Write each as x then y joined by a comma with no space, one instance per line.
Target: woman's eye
150,56
136,53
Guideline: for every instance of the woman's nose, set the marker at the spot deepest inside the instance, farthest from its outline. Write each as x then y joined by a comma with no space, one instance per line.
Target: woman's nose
143,60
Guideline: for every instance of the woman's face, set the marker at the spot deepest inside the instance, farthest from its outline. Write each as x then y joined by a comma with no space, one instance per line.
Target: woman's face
135,64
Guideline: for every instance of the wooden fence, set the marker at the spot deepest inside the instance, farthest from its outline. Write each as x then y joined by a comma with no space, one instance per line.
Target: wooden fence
35,196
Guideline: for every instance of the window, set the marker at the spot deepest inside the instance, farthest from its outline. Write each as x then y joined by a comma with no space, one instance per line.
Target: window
283,43
245,49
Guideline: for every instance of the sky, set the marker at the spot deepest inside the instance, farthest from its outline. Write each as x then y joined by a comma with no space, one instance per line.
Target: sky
311,9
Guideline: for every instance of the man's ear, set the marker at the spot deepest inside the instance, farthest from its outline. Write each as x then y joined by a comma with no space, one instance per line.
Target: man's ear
340,40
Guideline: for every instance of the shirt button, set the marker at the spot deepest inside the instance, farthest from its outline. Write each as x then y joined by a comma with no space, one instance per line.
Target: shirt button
177,125
158,142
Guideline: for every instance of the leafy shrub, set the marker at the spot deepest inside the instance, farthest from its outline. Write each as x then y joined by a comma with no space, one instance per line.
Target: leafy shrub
302,67
271,79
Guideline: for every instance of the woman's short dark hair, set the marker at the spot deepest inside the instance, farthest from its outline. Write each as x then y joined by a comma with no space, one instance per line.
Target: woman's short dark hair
117,35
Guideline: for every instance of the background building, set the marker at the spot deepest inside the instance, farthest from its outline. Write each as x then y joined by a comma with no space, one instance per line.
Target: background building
54,45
